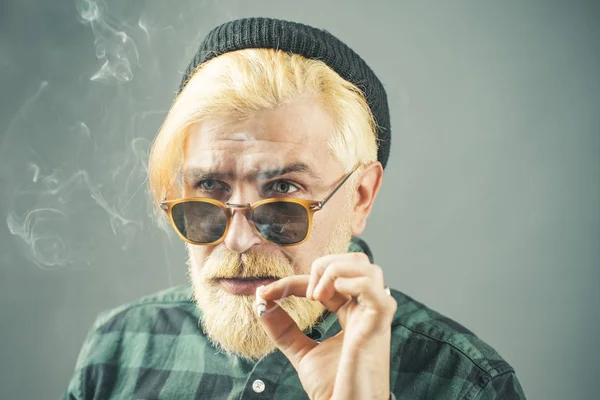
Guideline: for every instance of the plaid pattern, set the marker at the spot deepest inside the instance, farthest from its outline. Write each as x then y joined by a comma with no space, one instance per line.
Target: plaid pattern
154,349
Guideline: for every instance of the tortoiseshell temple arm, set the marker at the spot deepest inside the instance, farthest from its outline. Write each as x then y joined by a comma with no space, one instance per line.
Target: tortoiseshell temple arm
326,199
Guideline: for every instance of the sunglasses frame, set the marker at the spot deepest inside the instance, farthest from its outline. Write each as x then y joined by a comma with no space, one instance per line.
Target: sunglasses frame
311,206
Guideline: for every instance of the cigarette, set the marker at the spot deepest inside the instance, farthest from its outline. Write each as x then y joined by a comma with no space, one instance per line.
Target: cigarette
261,304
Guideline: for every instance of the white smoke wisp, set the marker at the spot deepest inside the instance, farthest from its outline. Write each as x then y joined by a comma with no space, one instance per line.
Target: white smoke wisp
115,47
74,157
48,249
143,25
54,233
61,187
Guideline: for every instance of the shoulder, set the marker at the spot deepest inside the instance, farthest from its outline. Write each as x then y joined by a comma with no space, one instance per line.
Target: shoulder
165,315
151,312
436,354
138,338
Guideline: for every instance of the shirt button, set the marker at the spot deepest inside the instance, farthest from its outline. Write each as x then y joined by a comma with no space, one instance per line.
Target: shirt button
258,386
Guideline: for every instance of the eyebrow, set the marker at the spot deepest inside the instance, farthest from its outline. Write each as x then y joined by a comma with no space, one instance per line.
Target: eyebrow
197,174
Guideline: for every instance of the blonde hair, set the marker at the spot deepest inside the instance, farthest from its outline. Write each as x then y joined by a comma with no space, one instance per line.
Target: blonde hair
236,84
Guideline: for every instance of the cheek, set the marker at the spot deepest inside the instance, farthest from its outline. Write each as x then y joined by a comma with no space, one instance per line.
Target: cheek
303,255
325,220
335,218
197,255
301,258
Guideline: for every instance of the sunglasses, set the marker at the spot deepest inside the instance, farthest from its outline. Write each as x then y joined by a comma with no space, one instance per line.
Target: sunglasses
283,221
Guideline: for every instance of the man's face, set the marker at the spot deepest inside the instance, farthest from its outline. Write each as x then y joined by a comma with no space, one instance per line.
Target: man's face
241,152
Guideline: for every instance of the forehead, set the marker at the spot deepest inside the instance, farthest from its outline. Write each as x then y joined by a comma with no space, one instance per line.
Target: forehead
297,132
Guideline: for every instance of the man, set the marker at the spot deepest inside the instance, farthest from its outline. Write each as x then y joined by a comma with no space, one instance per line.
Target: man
267,166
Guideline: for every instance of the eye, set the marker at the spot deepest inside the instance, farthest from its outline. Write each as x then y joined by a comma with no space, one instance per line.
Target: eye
210,185
283,187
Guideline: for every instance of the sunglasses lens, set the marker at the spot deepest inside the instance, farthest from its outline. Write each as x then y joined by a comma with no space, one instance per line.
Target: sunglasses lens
199,222
281,222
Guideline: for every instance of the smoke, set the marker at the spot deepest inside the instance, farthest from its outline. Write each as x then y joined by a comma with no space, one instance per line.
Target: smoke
74,157
51,212
113,46
37,230
67,184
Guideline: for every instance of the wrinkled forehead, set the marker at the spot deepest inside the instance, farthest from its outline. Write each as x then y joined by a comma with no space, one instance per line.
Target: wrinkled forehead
289,140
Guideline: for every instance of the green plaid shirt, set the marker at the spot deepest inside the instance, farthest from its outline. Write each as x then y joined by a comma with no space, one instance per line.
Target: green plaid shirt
155,349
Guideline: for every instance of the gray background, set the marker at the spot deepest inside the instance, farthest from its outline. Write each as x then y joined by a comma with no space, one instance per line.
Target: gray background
489,210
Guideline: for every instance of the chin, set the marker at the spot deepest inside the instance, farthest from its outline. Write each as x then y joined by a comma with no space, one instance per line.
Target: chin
231,324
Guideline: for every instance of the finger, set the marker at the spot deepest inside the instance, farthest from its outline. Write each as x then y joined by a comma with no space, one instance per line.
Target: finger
348,267
320,264
286,335
296,286
372,296
325,289
316,270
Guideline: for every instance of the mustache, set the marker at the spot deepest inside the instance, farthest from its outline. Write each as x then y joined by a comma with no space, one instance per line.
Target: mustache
245,266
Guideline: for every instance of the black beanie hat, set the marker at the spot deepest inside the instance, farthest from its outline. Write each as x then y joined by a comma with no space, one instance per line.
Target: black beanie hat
306,41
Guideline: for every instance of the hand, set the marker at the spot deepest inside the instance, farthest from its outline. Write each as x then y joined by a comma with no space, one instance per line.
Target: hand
354,364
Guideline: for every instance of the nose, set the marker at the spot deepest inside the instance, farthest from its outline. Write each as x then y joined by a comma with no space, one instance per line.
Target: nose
241,236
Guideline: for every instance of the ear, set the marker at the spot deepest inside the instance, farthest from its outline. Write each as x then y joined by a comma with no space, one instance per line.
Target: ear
366,191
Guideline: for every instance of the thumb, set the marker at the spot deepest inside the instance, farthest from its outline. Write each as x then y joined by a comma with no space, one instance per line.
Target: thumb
284,332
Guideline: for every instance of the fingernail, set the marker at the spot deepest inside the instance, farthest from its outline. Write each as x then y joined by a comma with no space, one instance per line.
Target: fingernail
315,293
266,288
259,298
